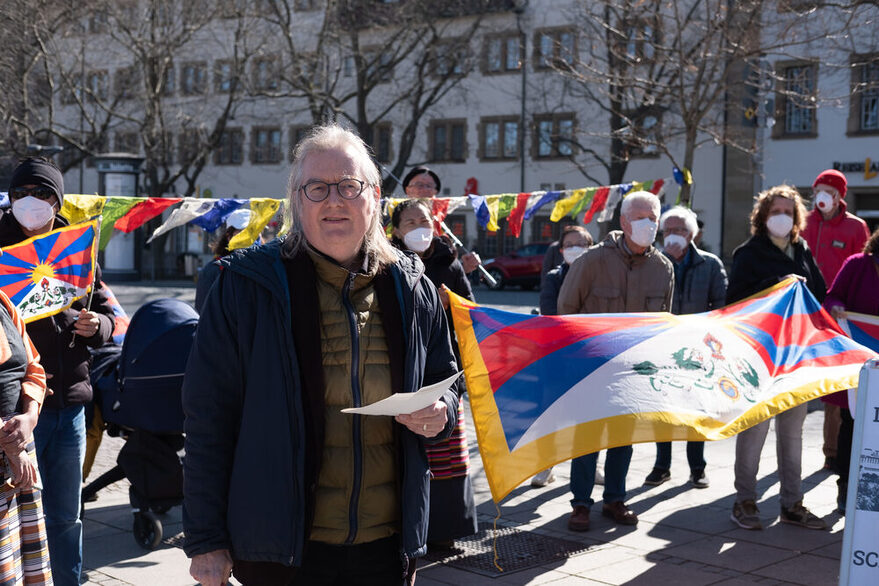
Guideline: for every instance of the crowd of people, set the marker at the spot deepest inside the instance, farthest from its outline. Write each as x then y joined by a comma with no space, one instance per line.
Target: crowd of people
281,486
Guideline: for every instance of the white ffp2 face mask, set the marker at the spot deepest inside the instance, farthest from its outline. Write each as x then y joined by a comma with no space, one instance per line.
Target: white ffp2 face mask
674,240
572,253
32,213
644,231
780,225
418,240
824,201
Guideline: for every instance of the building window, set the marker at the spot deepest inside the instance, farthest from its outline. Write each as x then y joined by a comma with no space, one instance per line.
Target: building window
348,66
642,135
499,138
379,65
99,21
127,82
265,74
97,85
96,144
555,48
230,150
189,144
71,86
864,109
266,148
297,133
170,85
224,76
640,40
554,136
193,78
381,142
451,57
795,100
448,140
127,142
503,53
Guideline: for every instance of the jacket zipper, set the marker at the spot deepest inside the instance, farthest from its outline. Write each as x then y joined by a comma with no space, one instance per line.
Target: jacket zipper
818,240
355,391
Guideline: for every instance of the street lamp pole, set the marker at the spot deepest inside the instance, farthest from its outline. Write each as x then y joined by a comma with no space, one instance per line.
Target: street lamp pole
519,7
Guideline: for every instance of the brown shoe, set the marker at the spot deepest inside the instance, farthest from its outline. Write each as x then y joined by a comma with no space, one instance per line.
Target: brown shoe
579,520
620,513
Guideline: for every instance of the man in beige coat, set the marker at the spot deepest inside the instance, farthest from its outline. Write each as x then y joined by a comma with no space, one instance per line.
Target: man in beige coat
622,274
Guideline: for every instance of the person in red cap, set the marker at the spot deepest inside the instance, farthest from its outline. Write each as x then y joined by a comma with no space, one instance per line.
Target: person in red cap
833,234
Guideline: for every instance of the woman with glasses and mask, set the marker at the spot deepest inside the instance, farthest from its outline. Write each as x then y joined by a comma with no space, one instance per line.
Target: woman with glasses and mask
282,487
63,341
452,506
775,250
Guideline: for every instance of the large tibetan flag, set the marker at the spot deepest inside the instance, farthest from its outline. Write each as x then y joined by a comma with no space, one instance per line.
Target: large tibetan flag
545,389
45,274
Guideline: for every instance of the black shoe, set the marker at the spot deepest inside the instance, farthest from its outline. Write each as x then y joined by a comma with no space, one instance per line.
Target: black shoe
657,477
698,479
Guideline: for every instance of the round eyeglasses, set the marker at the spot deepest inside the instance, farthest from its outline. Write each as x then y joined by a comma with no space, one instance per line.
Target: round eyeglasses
348,188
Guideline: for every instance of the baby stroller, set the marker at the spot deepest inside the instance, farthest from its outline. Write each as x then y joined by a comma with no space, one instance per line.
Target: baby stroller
138,388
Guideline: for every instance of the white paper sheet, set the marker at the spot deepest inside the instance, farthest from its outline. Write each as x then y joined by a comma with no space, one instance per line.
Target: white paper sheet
405,403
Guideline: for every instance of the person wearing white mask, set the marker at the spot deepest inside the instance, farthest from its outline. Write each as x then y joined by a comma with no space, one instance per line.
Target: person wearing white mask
833,234
700,285
775,250
452,502
624,273
63,341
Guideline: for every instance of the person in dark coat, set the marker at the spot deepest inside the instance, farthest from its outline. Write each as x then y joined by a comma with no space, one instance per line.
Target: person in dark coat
280,485
775,250
63,341
452,505
700,285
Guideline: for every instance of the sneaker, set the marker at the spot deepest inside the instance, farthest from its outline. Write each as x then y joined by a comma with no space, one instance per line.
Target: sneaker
599,478
746,515
657,477
541,479
698,479
802,517
620,513
579,519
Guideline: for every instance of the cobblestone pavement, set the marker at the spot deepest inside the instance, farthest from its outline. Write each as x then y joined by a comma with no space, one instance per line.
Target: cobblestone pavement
684,535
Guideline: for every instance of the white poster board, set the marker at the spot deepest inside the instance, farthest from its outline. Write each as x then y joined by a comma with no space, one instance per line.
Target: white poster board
859,563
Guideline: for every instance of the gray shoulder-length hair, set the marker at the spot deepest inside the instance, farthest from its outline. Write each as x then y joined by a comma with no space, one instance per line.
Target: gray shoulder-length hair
324,138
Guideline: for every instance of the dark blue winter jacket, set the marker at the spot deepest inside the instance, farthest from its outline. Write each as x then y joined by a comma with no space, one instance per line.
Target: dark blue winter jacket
245,483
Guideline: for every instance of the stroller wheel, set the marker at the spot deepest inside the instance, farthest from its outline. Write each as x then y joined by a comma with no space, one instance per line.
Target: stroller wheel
147,530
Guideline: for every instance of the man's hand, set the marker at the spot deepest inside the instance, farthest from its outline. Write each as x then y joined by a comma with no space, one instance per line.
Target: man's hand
86,324
444,296
470,262
212,568
427,422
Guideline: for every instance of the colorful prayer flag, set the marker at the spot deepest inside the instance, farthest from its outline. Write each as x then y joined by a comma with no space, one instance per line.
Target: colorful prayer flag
545,389
262,209
45,274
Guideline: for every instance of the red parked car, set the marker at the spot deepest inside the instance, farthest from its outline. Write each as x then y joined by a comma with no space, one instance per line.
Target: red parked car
520,267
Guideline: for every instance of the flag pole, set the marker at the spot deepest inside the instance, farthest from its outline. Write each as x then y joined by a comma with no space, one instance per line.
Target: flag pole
88,305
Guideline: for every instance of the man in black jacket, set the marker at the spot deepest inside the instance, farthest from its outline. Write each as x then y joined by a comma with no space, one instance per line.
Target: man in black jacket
37,192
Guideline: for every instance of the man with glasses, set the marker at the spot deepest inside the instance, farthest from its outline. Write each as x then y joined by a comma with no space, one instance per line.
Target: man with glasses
281,486
63,341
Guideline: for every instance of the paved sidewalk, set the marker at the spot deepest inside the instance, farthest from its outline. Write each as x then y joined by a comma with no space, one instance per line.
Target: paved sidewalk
684,534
